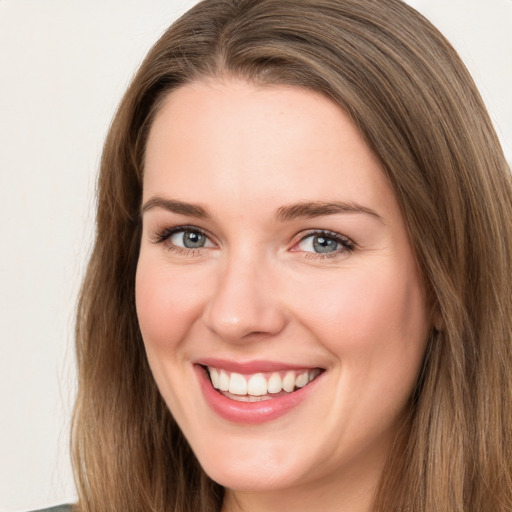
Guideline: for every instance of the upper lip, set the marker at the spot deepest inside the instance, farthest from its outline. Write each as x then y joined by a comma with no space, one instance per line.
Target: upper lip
254,366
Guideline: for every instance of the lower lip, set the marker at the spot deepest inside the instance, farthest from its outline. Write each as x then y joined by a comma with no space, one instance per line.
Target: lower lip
251,412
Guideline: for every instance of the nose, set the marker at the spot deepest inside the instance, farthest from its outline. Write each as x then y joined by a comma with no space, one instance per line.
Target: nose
244,304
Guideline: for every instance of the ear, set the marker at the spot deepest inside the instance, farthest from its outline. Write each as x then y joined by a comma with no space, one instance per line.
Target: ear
437,319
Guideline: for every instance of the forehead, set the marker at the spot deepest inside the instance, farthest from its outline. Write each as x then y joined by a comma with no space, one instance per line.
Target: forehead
241,142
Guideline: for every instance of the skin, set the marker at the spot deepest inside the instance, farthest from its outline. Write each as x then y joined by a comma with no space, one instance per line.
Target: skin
257,290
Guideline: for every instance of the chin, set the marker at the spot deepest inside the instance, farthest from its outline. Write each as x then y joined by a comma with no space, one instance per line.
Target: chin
254,467
248,477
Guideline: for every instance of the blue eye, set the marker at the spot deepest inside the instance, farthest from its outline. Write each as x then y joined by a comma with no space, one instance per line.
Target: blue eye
184,238
188,239
324,243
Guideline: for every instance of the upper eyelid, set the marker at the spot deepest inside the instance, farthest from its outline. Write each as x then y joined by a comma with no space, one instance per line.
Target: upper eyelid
176,229
327,232
164,234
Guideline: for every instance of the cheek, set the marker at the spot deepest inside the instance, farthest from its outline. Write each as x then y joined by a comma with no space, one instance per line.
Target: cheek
374,324
168,303
373,319
167,307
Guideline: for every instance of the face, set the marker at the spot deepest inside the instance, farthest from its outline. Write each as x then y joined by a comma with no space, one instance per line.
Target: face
277,293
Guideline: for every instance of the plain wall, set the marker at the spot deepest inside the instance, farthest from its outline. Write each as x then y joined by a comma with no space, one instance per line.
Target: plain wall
64,65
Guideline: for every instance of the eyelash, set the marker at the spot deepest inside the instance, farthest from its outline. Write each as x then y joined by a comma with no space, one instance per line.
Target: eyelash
165,234
348,246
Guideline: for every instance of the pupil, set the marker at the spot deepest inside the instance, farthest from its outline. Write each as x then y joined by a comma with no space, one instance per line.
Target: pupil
192,240
323,244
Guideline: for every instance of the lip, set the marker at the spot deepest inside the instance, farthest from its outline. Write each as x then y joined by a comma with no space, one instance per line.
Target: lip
249,367
251,413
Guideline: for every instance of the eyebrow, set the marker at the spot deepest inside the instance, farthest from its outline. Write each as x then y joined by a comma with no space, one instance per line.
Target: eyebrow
304,210
311,209
171,205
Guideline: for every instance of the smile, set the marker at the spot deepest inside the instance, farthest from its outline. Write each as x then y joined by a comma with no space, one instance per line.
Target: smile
259,386
257,392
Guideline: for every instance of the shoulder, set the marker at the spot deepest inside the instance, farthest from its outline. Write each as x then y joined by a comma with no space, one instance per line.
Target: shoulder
60,508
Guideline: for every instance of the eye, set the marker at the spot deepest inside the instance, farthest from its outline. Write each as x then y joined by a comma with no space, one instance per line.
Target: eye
184,238
189,239
325,243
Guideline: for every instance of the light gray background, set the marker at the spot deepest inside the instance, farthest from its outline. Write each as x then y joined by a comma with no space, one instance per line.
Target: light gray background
64,65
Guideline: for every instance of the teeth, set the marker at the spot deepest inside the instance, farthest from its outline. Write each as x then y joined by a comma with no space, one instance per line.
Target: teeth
237,384
214,375
313,374
302,380
223,381
289,382
259,384
274,384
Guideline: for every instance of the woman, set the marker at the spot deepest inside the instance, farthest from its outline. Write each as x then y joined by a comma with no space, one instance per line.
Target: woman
299,295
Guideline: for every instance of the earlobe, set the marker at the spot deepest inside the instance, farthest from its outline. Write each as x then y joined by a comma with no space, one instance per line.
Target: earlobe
437,319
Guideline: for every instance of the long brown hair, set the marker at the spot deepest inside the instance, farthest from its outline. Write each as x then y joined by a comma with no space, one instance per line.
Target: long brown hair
417,107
